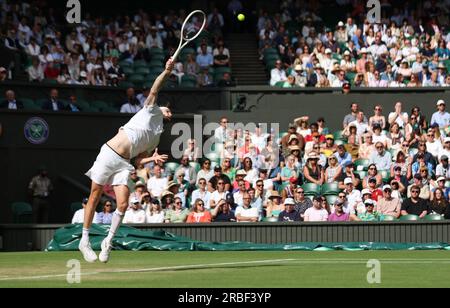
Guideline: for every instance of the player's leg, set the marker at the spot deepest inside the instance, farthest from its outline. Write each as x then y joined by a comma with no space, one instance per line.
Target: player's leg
89,211
122,195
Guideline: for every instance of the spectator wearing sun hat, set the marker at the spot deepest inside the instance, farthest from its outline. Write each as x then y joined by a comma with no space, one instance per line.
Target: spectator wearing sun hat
301,78
289,214
370,214
274,205
441,117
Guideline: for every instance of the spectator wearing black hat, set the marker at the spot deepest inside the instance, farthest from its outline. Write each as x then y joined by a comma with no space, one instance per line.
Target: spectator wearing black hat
415,205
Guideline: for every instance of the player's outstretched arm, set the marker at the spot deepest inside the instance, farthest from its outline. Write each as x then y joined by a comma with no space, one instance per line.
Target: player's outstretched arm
159,82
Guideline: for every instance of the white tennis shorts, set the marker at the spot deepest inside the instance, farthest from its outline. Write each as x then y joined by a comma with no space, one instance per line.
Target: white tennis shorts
110,168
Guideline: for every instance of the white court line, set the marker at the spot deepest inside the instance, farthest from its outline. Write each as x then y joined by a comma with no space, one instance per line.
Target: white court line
205,266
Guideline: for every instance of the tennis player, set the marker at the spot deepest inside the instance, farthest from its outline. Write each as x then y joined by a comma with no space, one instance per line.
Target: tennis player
139,137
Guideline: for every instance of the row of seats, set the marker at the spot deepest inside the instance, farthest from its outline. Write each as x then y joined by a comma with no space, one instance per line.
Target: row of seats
85,106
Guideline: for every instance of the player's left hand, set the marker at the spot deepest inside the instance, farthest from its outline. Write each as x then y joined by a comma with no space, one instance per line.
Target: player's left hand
159,158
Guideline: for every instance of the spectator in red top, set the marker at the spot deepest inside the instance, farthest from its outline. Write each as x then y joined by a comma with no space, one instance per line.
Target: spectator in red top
375,192
240,175
314,127
51,72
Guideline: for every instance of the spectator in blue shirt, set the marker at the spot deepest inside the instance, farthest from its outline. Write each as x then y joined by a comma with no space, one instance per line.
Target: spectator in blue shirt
105,217
381,158
344,158
204,59
441,117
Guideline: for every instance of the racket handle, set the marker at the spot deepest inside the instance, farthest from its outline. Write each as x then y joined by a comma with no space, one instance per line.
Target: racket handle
176,54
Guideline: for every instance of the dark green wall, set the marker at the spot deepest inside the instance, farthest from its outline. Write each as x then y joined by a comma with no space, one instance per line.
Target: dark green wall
73,144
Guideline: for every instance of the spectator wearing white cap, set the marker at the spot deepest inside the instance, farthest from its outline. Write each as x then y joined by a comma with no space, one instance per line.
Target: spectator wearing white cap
439,184
361,63
135,214
388,205
327,62
289,214
441,117
347,63
446,148
353,195
341,34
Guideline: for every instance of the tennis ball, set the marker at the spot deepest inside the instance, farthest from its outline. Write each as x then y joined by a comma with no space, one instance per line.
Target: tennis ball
241,17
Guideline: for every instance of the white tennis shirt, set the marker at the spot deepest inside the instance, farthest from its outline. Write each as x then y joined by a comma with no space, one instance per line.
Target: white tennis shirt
144,130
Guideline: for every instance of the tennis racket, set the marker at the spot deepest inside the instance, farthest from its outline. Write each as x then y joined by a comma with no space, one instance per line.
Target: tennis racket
192,27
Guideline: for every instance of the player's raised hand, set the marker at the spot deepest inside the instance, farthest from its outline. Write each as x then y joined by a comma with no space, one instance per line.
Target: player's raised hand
170,65
159,158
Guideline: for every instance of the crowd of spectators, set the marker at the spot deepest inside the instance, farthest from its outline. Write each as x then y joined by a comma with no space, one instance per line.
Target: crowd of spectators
106,51
410,47
378,167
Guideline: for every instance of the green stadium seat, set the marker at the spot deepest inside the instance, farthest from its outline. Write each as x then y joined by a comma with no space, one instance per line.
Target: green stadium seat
125,64
22,212
195,165
171,167
270,219
385,175
188,84
340,142
139,63
158,57
128,70
157,70
330,189
362,164
143,70
311,189
110,109
338,135
137,79
101,105
83,104
213,157
75,206
362,173
91,109
433,217
49,81
125,84
331,199
388,218
279,84
188,78
156,51
409,217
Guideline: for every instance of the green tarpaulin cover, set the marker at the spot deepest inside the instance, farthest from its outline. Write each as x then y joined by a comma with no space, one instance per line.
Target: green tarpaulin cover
127,238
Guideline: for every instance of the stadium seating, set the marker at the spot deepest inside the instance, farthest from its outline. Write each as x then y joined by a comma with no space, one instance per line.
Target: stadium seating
311,189
409,217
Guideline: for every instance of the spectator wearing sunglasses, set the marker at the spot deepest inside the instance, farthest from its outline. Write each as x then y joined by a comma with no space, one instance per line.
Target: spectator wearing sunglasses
198,213
301,202
202,193
415,205
178,214
418,181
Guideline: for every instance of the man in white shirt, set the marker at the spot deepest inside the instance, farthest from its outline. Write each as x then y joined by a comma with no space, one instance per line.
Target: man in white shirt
221,133
361,126
78,217
277,74
433,146
201,193
246,213
398,116
135,215
353,196
132,105
156,184
239,195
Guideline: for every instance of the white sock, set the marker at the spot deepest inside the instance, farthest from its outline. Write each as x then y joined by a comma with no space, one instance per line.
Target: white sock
115,224
85,235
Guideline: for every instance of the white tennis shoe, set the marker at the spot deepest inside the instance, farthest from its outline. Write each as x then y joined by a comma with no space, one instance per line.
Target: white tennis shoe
88,254
106,250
